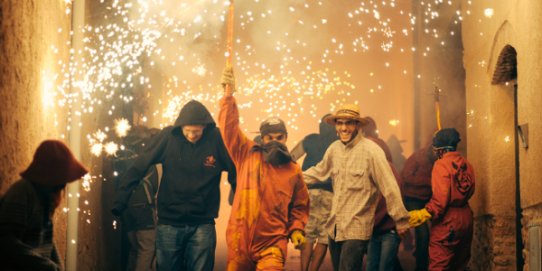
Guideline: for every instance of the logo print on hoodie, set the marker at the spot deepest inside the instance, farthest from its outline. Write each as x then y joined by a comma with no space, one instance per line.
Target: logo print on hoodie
209,161
461,178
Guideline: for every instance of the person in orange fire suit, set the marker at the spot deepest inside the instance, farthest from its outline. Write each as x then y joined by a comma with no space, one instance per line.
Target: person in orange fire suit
453,185
271,202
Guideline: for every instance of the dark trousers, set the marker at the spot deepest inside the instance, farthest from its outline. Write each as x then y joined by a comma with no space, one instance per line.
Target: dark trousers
347,255
421,234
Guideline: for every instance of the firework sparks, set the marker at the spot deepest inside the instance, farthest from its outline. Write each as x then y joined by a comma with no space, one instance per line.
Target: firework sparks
293,59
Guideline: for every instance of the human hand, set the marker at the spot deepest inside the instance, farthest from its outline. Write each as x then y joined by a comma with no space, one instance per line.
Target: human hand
228,81
402,232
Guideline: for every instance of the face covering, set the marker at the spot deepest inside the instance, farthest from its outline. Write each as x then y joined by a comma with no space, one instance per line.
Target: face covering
275,153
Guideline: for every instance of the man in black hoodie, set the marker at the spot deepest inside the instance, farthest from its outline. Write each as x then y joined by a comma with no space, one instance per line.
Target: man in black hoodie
193,157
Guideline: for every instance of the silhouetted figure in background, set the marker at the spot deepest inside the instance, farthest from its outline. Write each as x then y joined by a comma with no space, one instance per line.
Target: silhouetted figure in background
27,209
139,218
396,152
384,243
416,176
320,194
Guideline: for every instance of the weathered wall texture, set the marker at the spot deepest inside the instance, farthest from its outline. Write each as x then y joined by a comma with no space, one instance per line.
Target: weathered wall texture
490,123
29,30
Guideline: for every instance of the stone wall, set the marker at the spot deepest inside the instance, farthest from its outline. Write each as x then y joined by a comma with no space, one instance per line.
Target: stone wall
491,28
28,30
531,216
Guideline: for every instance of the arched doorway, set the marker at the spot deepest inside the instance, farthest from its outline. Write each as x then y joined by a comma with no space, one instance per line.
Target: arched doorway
505,76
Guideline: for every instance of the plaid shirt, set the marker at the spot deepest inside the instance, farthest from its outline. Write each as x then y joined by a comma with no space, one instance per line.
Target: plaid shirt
359,170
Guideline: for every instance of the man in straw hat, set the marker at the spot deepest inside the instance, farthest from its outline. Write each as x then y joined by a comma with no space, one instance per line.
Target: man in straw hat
360,172
272,202
27,209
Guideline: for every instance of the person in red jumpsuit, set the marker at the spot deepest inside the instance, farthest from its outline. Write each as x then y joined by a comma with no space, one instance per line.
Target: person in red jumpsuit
452,183
271,203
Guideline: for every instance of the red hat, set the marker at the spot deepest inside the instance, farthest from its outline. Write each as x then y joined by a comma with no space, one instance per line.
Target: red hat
53,165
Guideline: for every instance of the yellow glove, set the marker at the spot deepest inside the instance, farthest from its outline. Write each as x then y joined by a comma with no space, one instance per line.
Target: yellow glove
418,217
298,238
228,79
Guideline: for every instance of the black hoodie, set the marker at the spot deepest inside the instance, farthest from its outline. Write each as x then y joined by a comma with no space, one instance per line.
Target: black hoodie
189,192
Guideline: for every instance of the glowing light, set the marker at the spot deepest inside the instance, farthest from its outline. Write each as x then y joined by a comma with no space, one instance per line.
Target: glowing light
488,12
86,180
96,149
122,126
394,122
507,139
111,148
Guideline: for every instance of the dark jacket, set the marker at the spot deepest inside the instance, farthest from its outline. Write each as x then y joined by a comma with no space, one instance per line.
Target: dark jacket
26,229
140,210
189,192
315,146
416,175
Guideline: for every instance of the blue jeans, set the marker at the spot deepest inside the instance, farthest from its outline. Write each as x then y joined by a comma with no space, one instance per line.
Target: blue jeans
185,247
382,251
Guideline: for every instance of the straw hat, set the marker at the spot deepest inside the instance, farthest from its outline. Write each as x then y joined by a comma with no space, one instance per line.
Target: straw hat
347,111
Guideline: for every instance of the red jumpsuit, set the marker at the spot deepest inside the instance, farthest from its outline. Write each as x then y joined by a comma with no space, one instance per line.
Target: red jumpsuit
451,232
270,202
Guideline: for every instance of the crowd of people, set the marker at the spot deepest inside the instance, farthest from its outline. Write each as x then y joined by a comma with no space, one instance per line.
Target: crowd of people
347,196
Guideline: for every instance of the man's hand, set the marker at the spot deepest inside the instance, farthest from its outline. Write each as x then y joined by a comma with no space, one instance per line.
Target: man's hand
418,217
228,81
298,238
402,233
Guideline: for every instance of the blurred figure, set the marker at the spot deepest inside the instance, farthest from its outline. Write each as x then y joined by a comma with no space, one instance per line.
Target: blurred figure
453,185
139,218
272,201
360,171
193,157
416,176
371,132
384,243
396,152
27,209
320,194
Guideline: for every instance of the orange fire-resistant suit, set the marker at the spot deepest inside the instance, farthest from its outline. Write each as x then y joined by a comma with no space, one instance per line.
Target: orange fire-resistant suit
451,232
270,202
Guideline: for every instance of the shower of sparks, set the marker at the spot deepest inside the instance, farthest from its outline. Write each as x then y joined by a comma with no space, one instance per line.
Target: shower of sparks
292,59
